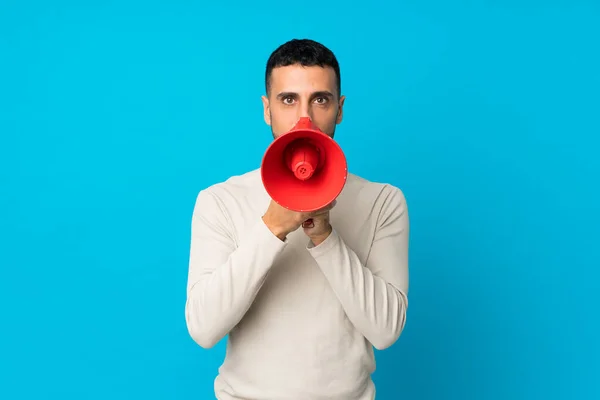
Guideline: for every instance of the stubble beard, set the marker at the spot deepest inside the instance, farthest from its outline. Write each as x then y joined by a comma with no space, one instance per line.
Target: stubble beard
332,134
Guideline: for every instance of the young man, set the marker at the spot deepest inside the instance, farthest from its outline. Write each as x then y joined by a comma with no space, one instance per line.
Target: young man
303,306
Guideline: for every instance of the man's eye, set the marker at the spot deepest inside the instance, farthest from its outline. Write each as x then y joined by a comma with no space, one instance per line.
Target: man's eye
288,100
321,100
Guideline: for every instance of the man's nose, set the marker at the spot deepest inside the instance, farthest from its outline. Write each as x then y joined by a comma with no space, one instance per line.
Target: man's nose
304,110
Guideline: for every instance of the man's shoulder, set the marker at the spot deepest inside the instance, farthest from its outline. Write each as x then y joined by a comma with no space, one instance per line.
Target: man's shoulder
236,185
358,186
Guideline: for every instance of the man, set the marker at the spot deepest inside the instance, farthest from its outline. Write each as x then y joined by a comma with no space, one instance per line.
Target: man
303,306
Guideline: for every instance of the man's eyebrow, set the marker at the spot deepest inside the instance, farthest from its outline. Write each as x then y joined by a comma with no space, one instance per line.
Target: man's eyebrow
320,93
287,94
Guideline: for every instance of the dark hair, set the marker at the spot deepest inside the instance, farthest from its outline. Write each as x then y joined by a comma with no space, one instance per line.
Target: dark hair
305,52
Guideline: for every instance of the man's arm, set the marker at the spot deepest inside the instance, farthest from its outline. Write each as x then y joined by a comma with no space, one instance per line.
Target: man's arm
223,278
374,295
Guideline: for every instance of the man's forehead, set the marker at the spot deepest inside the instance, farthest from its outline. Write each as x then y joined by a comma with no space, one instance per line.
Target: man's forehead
301,79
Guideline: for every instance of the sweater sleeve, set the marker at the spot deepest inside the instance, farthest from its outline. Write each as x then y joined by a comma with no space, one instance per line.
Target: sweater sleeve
224,277
374,296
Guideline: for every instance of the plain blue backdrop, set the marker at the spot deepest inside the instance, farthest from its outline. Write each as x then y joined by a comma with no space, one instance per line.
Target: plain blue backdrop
113,115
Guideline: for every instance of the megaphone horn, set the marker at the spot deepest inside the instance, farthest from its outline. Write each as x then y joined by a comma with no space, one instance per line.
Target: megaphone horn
304,169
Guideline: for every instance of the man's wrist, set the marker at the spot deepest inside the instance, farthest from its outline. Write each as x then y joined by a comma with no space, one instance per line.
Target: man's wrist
318,239
276,230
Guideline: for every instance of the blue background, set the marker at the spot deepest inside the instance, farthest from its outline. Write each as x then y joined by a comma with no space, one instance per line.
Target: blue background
113,115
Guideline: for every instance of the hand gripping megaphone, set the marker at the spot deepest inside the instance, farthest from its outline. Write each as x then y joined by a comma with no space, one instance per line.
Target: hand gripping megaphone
304,169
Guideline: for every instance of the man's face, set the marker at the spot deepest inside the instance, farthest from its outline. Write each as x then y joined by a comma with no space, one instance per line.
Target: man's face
298,91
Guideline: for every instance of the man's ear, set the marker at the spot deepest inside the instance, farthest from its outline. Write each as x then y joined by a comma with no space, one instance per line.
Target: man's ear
266,110
340,109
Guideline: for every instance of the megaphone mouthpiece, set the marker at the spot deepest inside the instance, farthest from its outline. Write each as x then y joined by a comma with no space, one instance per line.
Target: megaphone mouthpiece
303,158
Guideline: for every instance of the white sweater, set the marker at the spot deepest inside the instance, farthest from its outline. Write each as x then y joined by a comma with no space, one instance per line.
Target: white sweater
301,320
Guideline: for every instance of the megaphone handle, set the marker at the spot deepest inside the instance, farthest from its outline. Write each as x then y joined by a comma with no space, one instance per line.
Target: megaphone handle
309,223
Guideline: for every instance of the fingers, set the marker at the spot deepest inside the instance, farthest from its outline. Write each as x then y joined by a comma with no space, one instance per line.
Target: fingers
325,209
306,218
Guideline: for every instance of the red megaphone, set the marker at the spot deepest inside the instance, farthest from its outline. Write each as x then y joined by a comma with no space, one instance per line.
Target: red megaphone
304,169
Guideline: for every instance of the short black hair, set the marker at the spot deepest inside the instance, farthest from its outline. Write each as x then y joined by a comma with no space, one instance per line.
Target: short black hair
305,52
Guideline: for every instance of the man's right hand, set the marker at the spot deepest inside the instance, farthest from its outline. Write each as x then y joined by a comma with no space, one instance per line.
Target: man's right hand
282,221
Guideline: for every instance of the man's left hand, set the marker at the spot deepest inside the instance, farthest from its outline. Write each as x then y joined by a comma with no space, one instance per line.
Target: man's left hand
318,228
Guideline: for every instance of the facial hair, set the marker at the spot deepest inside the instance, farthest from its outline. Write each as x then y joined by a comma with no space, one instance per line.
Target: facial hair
331,134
